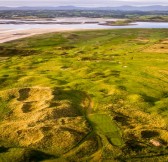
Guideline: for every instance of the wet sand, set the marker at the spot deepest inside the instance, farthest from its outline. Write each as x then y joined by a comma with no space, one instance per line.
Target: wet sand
14,32
7,35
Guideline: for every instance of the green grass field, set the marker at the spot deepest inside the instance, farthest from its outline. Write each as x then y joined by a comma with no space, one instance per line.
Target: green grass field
108,93
105,125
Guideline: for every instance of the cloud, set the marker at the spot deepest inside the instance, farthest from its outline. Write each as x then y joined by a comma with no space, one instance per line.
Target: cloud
80,2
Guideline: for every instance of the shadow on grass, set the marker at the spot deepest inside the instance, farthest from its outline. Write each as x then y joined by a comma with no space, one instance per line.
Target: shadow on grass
76,97
34,155
3,149
8,52
149,99
24,154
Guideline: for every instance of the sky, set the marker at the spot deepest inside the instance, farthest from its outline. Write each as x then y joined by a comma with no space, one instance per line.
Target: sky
83,3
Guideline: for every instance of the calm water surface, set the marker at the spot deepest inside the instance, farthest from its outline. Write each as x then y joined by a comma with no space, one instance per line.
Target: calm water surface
83,26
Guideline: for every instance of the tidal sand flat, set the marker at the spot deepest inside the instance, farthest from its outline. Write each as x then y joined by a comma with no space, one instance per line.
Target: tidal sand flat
9,35
22,28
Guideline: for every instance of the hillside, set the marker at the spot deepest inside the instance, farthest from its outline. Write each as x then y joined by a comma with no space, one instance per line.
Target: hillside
85,96
119,8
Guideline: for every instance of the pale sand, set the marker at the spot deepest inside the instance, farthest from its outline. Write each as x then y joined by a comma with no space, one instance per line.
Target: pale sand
9,35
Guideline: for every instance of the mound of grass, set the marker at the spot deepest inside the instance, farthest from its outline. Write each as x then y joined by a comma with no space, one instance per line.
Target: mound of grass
21,154
44,119
93,78
4,109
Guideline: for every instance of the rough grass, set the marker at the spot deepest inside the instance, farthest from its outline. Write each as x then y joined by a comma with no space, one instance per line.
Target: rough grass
43,119
4,109
121,73
21,154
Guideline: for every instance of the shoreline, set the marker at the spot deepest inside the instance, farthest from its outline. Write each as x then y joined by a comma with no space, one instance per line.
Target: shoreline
7,35
10,35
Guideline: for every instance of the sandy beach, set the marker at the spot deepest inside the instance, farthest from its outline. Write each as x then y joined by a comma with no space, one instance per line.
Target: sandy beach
7,35
21,31
12,32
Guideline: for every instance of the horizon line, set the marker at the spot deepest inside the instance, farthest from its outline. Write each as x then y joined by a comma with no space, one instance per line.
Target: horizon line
90,6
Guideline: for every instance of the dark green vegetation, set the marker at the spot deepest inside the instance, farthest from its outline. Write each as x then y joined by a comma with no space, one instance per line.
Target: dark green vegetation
106,99
136,18
118,22
151,18
159,16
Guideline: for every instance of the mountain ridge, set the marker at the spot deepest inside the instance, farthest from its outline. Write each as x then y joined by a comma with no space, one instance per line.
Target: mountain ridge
120,8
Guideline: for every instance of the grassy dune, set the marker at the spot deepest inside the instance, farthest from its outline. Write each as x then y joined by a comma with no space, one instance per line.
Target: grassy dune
85,96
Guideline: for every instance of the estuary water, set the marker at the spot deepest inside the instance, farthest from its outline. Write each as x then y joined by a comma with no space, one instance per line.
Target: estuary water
5,27
16,29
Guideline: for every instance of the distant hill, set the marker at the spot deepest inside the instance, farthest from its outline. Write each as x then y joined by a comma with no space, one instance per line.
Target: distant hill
135,8
120,8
